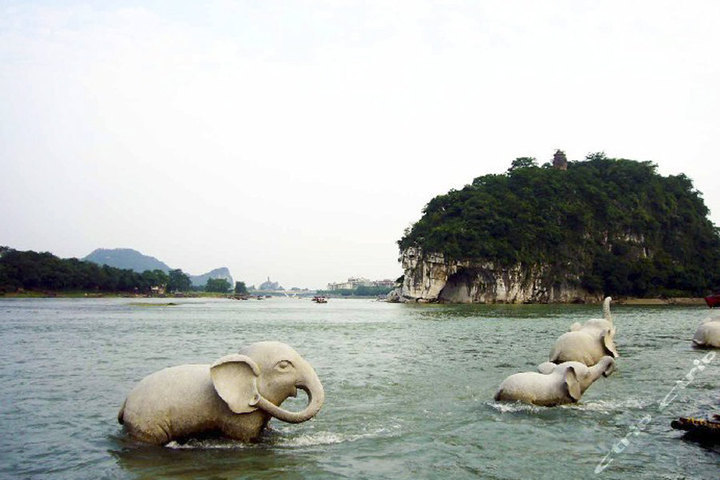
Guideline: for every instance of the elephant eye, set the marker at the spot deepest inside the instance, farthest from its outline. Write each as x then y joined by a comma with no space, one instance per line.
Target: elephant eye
283,364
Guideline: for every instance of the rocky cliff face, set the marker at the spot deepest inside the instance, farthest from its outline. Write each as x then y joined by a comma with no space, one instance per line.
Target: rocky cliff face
218,273
431,278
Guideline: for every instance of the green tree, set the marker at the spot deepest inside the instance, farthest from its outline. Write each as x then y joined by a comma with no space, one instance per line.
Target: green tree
32,270
219,285
522,162
154,278
178,281
596,156
240,288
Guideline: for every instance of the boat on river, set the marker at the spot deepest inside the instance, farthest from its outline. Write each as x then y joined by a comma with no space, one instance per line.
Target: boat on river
713,300
699,428
319,299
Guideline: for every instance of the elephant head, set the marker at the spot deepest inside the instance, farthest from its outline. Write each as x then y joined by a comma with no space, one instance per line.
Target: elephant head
587,342
707,334
585,375
553,386
598,324
262,376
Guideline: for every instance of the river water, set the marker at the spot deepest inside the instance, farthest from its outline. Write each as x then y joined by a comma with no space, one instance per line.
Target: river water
409,391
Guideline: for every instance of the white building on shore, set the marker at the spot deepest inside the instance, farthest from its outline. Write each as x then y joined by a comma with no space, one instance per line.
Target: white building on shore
355,282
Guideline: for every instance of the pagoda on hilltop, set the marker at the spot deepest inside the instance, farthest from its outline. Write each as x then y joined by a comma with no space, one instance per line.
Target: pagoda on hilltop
560,160
269,285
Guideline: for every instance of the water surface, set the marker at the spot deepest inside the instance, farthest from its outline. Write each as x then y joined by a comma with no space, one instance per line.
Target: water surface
408,391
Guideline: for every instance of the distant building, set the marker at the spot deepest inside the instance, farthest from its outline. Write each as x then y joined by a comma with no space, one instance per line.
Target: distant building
270,285
157,290
355,282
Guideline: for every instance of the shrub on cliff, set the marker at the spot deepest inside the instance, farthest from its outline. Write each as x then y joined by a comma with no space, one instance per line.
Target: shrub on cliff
615,224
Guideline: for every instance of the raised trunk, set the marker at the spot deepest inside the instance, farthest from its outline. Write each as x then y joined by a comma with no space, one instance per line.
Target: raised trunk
316,397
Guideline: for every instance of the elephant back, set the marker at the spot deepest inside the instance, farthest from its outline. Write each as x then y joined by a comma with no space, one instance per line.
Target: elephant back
158,407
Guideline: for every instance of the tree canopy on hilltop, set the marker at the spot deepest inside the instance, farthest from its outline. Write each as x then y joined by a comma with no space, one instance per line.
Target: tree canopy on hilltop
44,271
615,224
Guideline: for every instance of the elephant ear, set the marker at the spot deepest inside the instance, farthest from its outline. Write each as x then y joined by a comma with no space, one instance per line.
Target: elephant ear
572,384
235,380
609,343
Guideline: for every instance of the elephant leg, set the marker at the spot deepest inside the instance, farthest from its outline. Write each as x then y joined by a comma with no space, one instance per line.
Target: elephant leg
246,427
154,434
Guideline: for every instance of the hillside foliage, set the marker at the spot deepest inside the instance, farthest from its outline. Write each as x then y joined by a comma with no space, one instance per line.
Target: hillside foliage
616,226
44,271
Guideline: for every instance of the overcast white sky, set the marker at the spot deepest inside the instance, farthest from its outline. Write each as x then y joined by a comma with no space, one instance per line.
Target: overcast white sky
298,139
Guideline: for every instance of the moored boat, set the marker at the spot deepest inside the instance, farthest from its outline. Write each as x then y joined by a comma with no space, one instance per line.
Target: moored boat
698,427
713,300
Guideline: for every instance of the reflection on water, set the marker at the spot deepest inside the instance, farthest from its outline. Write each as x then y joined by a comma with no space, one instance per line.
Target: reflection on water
409,390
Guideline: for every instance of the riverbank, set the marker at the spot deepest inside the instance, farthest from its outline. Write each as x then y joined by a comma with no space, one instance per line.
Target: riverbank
685,301
81,294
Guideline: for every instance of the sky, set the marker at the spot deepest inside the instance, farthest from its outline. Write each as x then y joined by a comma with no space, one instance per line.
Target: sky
297,140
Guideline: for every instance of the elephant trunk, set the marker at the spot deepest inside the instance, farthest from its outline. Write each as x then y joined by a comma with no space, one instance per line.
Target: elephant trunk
606,310
316,397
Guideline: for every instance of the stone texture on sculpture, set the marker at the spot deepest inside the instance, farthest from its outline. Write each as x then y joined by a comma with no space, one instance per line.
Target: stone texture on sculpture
707,334
588,342
235,397
429,277
553,384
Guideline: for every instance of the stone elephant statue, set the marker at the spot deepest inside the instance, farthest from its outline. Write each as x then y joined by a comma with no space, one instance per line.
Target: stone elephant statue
589,342
234,397
707,334
553,384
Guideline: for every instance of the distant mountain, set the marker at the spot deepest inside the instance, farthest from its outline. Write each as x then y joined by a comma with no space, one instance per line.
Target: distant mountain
201,280
126,258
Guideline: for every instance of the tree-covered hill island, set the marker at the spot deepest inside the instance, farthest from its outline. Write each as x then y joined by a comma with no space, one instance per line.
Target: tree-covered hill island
563,232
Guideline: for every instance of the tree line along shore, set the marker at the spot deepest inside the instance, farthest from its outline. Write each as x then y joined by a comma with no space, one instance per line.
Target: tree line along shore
29,273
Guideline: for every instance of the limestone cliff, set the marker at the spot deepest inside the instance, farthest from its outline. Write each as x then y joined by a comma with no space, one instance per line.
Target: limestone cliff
221,273
429,277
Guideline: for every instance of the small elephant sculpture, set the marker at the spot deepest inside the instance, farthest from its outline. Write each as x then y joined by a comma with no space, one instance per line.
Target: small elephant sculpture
553,384
707,334
234,397
589,342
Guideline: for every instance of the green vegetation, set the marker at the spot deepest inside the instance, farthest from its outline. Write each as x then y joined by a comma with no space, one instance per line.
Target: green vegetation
360,291
614,225
34,271
178,281
240,288
219,285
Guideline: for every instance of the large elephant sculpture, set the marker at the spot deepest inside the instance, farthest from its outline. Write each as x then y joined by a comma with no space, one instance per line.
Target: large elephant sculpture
553,384
707,334
589,342
235,397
